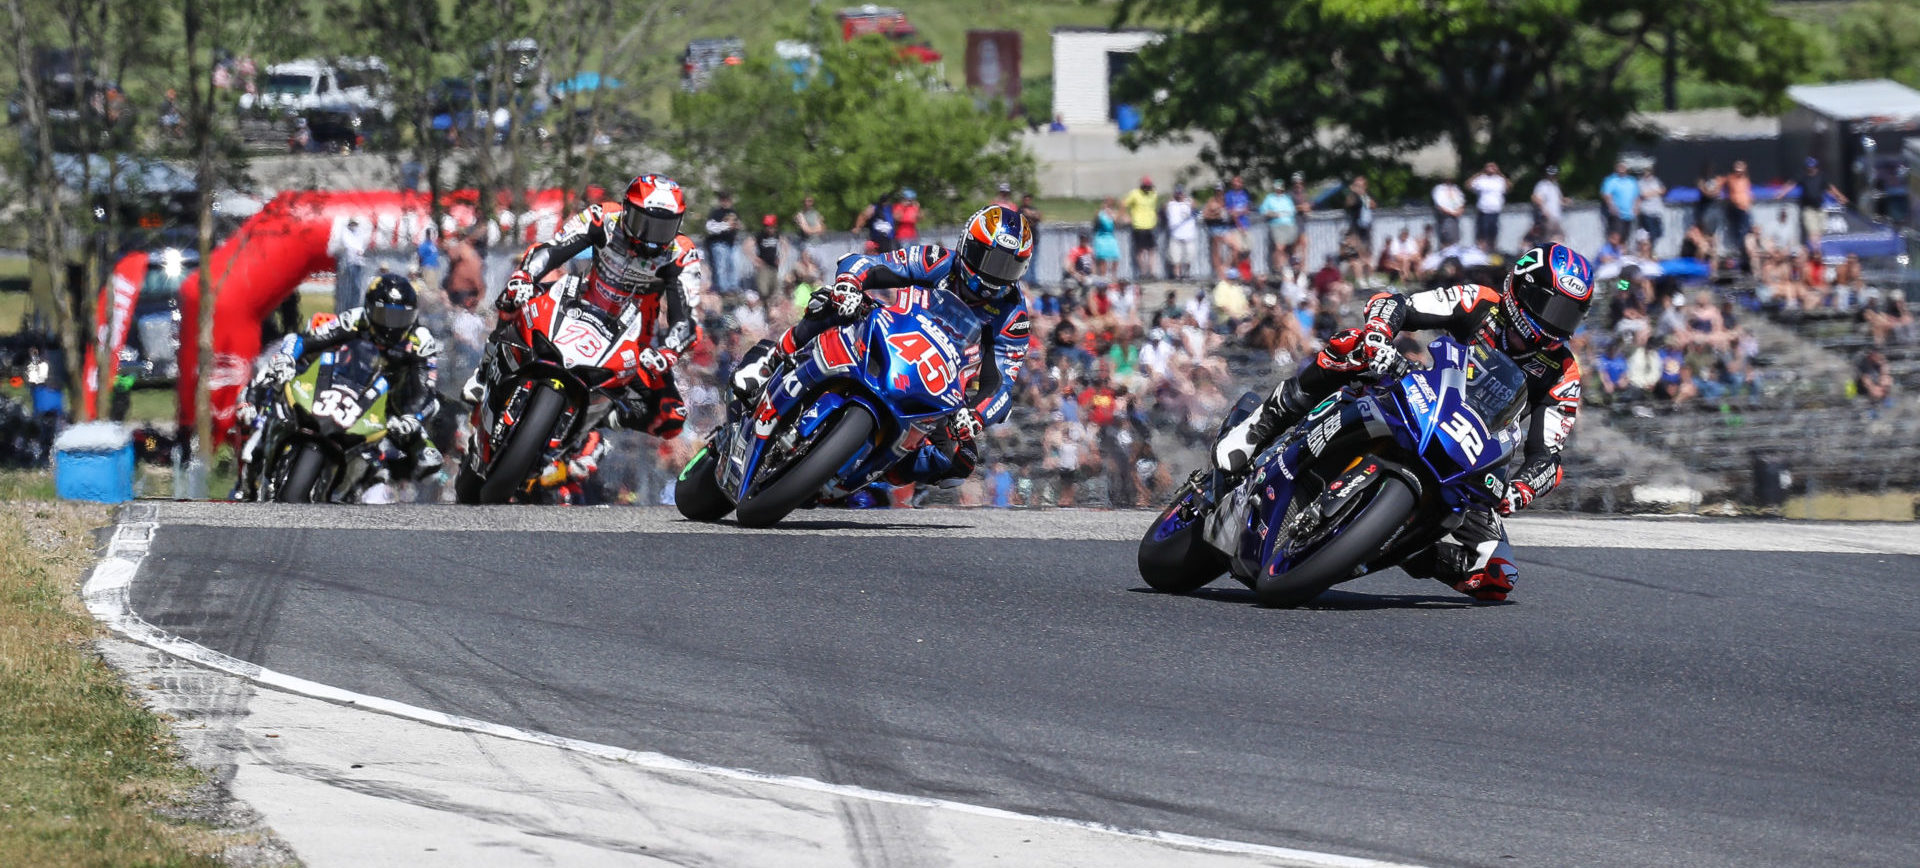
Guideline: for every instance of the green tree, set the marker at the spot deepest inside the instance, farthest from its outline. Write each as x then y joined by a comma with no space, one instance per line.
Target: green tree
1332,87
861,123
1880,39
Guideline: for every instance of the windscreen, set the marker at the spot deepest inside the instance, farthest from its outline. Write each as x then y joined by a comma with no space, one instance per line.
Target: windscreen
284,84
356,364
954,316
1495,387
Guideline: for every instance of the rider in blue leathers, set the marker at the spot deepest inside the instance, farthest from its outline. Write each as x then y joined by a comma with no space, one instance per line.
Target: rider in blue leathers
984,272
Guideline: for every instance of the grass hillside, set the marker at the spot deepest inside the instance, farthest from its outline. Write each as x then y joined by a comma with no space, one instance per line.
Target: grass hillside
943,23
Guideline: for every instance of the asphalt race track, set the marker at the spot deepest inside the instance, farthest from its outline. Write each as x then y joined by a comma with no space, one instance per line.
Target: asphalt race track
1702,704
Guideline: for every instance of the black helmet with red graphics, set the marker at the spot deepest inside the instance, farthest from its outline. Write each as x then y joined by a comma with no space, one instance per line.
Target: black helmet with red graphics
651,212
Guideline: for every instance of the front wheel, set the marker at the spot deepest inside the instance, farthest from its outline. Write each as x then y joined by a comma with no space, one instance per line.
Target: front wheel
831,448
697,493
1359,540
1173,557
524,446
304,467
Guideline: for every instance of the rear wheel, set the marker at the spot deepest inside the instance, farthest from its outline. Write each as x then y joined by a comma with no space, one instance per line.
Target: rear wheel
524,445
843,437
1359,540
697,493
1173,557
303,470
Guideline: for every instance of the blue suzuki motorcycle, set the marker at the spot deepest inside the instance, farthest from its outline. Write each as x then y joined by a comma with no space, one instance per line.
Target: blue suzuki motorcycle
1377,472
846,407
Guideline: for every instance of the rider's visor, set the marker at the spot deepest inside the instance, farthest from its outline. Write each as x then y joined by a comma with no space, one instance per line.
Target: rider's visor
1558,316
390,317
650,226
996,265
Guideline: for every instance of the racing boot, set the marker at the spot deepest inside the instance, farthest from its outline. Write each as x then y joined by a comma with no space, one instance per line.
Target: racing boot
756,370
471,391
1282,410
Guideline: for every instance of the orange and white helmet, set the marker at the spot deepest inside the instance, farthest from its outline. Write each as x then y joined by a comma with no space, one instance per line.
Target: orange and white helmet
651,212
995,249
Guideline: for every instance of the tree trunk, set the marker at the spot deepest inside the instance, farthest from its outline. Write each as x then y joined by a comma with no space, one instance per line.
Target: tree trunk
46,243
200,101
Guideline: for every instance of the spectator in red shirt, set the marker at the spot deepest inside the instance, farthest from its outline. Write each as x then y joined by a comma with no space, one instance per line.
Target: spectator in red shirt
906,218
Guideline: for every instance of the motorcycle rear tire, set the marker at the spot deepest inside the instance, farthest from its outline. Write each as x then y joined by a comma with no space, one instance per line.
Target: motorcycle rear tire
1392,503
1182,562
697,493
304,465
524,446
844,436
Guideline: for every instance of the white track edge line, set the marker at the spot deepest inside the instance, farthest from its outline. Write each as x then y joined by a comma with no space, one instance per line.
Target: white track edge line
107,593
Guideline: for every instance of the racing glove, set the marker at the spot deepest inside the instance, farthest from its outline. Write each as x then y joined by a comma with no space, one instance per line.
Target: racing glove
965,424
278,371
1368,349
519,291
246,415
654,365
402,426
1518,496
845,298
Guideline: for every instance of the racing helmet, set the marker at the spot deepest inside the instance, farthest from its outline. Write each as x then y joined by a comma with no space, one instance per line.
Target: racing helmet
651,212
995,249
1546,293
391,307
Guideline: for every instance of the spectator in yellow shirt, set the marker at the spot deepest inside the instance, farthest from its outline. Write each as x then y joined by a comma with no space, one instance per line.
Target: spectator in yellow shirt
1143,214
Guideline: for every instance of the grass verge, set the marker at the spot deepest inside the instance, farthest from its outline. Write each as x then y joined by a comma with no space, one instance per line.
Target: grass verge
83,768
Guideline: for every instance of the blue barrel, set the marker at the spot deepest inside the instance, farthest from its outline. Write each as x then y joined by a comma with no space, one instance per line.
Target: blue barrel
93,462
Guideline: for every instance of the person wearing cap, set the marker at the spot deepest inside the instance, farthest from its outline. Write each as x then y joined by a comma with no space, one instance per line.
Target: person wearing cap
767,255
1549,203
1283,227
1812,193
1143,214
348,247
1003,195
906,219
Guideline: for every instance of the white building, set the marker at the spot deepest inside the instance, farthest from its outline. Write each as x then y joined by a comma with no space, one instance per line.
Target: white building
1084,68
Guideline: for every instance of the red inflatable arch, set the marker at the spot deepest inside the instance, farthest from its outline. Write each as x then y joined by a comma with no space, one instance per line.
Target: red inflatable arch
285,243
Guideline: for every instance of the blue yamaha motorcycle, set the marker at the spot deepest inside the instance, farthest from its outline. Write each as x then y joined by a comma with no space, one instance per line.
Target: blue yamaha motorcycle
844,410
1375,473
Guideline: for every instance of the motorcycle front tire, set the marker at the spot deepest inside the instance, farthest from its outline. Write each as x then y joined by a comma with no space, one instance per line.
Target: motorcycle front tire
1180,562
524,445
304,465
844,436
697,493
1362,539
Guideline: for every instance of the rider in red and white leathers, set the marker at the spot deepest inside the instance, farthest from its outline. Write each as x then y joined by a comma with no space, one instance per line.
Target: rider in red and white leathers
1530,318
640,259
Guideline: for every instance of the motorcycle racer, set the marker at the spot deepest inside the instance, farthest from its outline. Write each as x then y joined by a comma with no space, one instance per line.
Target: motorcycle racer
1546,292
387,319
640,260
994,251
